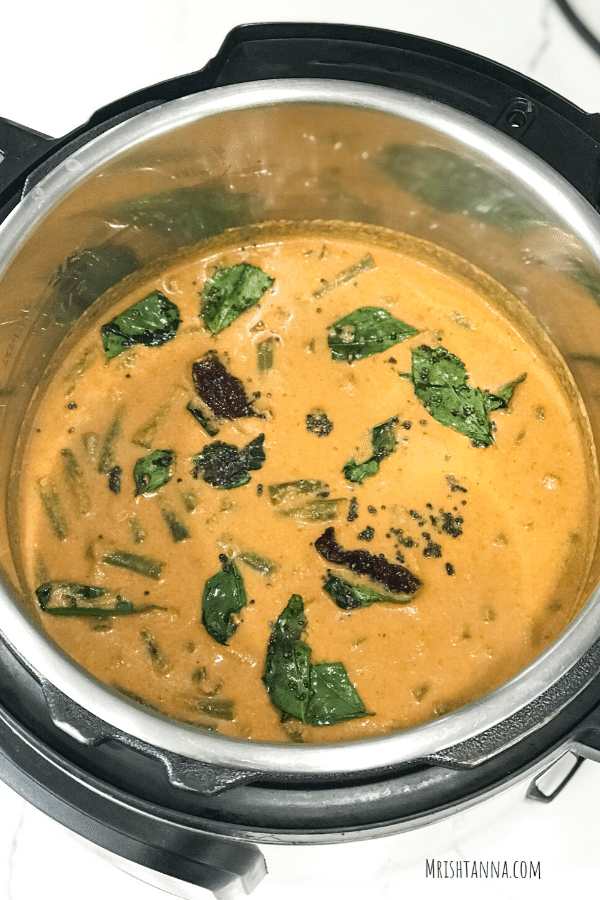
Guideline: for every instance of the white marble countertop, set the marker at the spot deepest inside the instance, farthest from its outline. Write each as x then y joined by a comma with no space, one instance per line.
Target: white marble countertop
60,62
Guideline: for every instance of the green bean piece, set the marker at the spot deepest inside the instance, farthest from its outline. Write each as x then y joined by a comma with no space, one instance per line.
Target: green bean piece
141,565
189,500
76,480
42,574
144,436
176,527
200,674
107,449
257,562
138,532
52,507
363,265
264,355
91,445
288,490
316,510
154,650
78,369
216,707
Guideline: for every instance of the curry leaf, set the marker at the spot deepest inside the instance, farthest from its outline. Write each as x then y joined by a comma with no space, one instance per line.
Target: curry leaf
333,697
440,382
224,596
153,471
205,422
383,443
287,667
366,331
353,596
505,393
230,292
225,466
152,321
318,694
63,598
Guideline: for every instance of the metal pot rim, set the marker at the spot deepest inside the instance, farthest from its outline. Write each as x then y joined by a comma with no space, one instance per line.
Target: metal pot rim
534,177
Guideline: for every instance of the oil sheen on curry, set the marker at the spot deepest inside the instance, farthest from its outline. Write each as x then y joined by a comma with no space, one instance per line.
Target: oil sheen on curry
308,484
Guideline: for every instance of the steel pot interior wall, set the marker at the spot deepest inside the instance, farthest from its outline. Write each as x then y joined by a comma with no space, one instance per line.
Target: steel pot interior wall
299,150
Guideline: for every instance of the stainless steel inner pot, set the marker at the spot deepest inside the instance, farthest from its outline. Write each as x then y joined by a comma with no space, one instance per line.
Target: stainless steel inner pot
297,149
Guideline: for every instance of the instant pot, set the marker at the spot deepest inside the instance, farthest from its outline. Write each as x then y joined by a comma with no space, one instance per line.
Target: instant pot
289,122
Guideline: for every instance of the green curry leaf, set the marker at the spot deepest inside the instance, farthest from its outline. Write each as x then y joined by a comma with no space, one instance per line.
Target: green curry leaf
287,667
153,471
317,694
224,596
333,697
152,321
230,292
439,379
63,598
353,596
383,443
365,331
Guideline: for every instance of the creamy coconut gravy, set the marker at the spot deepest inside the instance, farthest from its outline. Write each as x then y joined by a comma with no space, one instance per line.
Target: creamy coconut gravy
186,475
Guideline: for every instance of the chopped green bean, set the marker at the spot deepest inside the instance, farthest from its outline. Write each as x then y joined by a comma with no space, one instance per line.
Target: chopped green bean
91,444
264,355
176,527
146,433
288,490
107,449
76,480
52,507
154,650
257,562
316,510
199,674
78,369
189,500
42,574
363,265
138,532
141,565
216,707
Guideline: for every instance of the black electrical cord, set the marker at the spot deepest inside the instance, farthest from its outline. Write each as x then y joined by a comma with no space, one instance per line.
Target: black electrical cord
580,27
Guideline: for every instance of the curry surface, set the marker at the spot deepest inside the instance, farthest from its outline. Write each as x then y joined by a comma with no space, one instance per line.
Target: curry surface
497,587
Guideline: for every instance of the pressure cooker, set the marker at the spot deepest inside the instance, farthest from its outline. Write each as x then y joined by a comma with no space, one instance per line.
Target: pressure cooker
288,122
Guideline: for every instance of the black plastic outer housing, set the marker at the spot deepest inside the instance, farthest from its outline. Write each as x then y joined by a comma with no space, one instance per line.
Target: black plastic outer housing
119,796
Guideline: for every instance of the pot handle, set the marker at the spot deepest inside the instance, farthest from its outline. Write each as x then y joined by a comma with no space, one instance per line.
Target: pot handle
184,860
20,150
564,136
